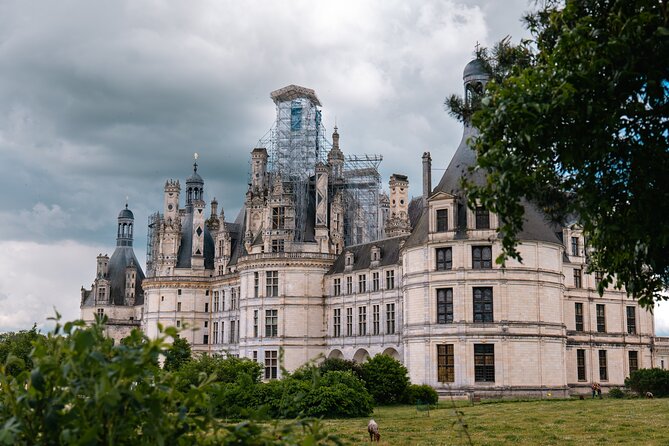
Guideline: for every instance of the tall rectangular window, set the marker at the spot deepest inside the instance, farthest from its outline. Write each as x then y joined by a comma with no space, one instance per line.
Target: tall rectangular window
577,277
101,312
444,259
349,285
178,306
271,323
633,360
349,322
272,284
578,312
631,320
215,332
256,284
336,323
295,116
376,319
232,332
375,281
233,299
222,332
481,257
484,363
362,321
271,364
337,286
390,318
205,339
255,323
580,364
483,305
222,300
603,372
442,220
217,301
390,279
278,245
445,305
445,363
482,218
601,318
574,246
278,217
206,307
599,276
362,283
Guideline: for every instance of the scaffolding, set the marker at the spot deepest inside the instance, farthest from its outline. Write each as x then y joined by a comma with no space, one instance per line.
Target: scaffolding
361,187
152,243
296,143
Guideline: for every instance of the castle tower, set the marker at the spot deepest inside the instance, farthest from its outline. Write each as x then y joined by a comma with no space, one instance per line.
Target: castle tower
195,205
398,222
336,157
125,223
258,169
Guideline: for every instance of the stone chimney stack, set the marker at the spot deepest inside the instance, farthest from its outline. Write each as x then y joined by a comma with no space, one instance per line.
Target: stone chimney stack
427,176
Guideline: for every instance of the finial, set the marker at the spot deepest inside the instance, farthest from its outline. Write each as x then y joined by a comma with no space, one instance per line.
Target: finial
196,156
126,202
478,48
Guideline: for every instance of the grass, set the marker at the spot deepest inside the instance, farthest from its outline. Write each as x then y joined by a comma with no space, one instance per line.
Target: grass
543,422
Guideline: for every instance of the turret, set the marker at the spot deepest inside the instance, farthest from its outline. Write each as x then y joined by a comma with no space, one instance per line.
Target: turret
125,223
398,222
258,168
195,205
336,157
102,266
171,200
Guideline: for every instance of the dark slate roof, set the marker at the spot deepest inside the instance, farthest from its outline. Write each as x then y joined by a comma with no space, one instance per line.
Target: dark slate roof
415,210
123,257
237,230
362,254
475,67
535,228
186,247
126,213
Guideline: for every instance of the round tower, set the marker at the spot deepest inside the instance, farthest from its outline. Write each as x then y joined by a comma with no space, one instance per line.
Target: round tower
124,232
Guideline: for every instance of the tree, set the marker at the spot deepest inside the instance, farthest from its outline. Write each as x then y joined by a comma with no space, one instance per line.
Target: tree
581,128
17,347
386,379
177,355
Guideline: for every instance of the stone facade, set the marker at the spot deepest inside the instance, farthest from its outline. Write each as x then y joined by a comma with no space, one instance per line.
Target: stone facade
288,278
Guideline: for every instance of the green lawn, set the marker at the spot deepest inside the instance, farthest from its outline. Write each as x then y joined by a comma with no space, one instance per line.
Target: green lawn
555,422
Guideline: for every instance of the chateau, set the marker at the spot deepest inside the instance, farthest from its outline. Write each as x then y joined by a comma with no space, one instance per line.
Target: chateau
321,262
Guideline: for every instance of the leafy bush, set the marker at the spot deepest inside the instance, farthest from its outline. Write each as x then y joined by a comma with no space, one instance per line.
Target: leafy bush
84,390
421,394
177,355
386,379
342,365
616,392
655,381
217,369
338,394
18,346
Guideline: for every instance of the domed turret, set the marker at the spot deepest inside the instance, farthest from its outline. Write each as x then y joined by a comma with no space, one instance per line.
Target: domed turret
194,187
126,220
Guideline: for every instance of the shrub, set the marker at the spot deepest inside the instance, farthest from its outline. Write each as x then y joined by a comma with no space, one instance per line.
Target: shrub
18,346
421,394
178,355
655,381
217,369
338,394
616,392
342,365
386,379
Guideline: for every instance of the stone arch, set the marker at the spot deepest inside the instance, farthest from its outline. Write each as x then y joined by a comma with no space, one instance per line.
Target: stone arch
392,353
336,354
361,356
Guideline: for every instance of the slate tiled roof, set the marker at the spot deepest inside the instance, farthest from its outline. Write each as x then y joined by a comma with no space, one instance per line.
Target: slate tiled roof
362,255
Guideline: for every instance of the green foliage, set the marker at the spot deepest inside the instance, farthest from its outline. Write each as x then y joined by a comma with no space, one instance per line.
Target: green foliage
655,381
421,393
83,389
177,355
16,347
308,393
617,393
386,379
342,365
580,127
217,369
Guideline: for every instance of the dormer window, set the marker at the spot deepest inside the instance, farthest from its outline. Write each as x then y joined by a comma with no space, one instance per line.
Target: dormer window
442,220
349,259
278,217
482,218
376,253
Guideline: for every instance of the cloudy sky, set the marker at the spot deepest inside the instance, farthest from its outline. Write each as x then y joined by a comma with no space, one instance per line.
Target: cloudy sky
103,100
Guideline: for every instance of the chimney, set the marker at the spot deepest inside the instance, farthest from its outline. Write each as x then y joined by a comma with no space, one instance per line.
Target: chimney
427,176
